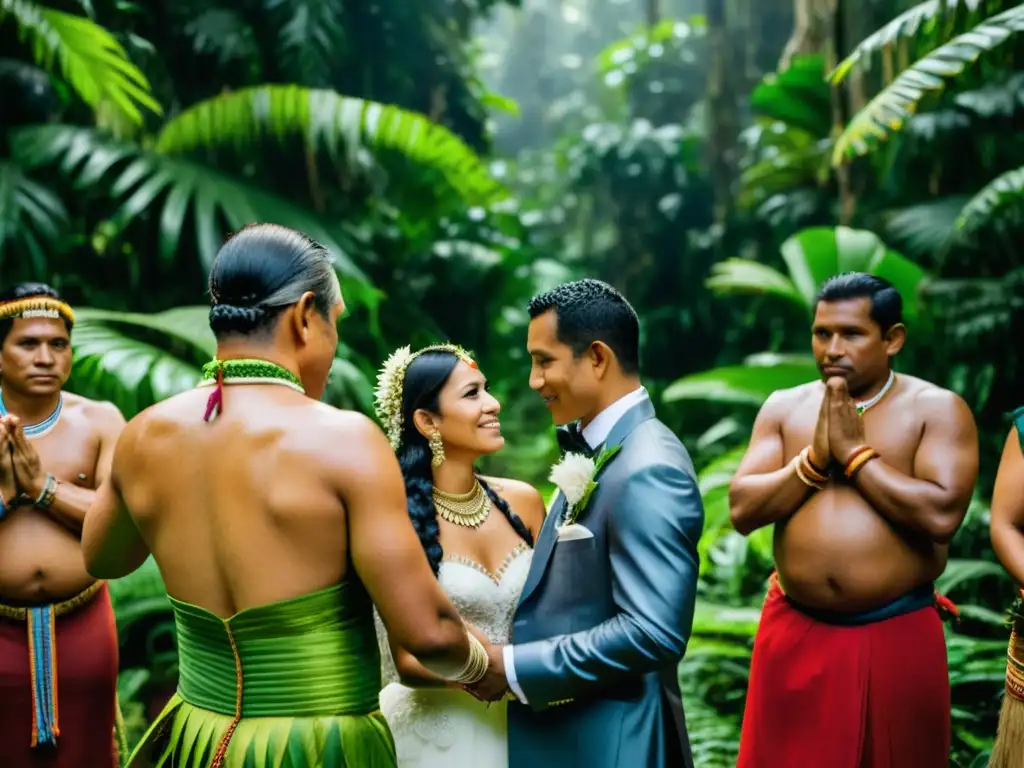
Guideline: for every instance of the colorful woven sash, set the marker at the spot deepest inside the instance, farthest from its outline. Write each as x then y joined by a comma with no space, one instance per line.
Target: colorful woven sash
42,655
1015,657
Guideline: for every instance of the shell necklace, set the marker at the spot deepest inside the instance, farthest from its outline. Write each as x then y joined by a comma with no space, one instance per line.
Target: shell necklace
467,509
861,407
35,431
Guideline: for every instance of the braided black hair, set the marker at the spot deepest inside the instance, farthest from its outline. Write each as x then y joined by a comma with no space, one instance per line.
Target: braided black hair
424,379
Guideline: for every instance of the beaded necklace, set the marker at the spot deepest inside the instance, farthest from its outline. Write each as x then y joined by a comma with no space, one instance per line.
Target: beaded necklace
35,431
217,373
861,407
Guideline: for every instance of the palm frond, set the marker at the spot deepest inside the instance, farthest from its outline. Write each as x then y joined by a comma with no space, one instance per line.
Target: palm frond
169,188
889,111
32,218
326,119
1003,194
906,26
90,58
135,360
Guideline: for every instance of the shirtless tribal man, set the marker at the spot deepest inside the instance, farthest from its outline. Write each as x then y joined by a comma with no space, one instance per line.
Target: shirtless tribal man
58,709
867,477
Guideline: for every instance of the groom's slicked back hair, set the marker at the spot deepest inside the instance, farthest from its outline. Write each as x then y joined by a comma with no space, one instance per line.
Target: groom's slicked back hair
589,310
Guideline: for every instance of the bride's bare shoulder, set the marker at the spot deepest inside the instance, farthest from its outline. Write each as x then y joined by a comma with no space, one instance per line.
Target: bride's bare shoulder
525,500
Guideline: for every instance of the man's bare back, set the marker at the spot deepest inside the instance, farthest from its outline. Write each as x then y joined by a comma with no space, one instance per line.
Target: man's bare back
836,551
40,551
216,502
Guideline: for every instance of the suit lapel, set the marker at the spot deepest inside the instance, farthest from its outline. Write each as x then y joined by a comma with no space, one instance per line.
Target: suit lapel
548,537
544,547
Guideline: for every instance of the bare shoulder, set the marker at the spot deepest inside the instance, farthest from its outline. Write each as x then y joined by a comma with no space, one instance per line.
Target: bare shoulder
351,439
102,416
936,404
782,401
525,500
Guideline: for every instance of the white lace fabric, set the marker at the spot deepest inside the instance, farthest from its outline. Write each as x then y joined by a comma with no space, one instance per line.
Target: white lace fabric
443,727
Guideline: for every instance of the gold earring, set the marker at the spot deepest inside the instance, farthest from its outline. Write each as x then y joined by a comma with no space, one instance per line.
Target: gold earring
436,449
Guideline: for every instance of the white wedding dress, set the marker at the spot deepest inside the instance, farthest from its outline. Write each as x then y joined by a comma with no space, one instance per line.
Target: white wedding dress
443,727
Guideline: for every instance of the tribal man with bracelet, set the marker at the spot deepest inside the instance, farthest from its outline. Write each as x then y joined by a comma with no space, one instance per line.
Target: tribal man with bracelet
58,642
866,476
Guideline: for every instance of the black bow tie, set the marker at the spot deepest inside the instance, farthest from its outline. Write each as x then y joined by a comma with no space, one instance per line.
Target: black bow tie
570,439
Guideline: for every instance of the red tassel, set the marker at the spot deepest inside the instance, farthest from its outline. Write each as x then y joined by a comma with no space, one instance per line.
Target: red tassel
216,399
945,605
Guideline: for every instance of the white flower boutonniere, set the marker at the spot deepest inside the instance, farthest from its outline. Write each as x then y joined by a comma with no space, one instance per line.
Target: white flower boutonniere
576,477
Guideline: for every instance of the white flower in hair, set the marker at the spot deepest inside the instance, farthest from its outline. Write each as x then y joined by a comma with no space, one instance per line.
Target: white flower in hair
391,382
389,393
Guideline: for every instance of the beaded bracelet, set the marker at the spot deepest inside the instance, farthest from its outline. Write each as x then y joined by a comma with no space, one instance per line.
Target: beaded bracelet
49,492
858,459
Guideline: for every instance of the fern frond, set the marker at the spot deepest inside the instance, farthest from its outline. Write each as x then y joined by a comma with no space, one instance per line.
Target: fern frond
1002,194
888,112
906,26
329,120
90,59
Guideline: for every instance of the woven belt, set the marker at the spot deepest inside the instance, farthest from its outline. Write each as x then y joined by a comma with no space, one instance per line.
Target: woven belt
42,657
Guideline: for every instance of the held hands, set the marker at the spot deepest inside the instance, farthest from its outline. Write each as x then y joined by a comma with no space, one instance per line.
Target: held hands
844,426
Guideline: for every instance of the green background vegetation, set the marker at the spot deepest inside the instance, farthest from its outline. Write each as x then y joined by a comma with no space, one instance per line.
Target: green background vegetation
713,161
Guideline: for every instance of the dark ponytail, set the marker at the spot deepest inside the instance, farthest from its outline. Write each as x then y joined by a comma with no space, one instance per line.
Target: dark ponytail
424,379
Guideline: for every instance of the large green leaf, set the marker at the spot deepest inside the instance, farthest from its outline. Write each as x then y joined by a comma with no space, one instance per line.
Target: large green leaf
90,58
742,276
327,120
797,97
747,385
889,111
816,254
135,360
168,188
1003,194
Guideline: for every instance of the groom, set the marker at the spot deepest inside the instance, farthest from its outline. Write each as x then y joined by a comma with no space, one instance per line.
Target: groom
607,608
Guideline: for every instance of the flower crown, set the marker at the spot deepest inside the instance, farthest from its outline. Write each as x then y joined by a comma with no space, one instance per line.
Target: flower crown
37,306
391,383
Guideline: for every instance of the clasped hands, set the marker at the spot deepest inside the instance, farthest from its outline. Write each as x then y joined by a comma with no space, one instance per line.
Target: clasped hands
840,428
21,473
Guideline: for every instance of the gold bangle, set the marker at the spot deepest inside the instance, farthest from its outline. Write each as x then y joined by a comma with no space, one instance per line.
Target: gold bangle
476,663
803,478
808,467
858,461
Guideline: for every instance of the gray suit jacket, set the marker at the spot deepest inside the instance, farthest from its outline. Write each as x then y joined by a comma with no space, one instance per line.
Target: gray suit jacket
603,622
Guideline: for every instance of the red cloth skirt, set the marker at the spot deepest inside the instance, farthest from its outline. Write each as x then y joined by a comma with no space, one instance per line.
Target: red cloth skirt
867,696
86,662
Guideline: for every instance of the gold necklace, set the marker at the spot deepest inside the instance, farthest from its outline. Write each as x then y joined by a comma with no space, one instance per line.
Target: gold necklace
468,509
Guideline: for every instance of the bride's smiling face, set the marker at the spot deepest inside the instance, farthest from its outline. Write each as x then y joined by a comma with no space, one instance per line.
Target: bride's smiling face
469,414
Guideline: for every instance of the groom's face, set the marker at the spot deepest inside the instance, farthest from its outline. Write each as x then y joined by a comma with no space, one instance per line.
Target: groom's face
565,381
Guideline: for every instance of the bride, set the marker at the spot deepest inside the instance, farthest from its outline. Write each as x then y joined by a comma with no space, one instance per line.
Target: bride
440,419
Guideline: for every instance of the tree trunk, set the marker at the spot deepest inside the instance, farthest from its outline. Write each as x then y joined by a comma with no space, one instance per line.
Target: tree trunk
812,31
722,112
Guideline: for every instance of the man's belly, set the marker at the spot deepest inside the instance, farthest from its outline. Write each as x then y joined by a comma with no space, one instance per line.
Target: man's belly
40,560
837,553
